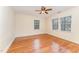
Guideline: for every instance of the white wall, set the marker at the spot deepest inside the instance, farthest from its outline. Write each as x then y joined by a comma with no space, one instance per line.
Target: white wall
24,25
74,34
7,27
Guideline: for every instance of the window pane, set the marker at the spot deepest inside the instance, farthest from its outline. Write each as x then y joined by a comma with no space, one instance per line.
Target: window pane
36,24
55,24
66,23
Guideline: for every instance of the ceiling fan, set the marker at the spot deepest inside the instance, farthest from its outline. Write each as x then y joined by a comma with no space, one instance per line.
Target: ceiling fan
43,10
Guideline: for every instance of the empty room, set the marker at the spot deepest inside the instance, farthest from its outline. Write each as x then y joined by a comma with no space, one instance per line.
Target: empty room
39,29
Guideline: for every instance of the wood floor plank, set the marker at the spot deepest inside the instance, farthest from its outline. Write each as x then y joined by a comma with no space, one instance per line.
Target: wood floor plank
26,45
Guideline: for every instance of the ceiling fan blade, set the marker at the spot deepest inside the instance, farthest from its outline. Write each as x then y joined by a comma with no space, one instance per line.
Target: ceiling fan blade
48,9
40,13
37,10
43,8
46,12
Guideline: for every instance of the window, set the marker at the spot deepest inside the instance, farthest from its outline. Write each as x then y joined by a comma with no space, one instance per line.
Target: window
55,24
36,24
66,23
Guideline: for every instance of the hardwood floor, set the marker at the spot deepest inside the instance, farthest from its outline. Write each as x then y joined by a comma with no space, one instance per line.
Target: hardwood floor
46,44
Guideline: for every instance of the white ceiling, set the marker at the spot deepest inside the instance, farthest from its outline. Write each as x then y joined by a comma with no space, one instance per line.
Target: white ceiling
30,10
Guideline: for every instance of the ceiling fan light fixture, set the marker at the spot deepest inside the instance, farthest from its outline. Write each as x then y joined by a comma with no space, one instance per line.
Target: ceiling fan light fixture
43,12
